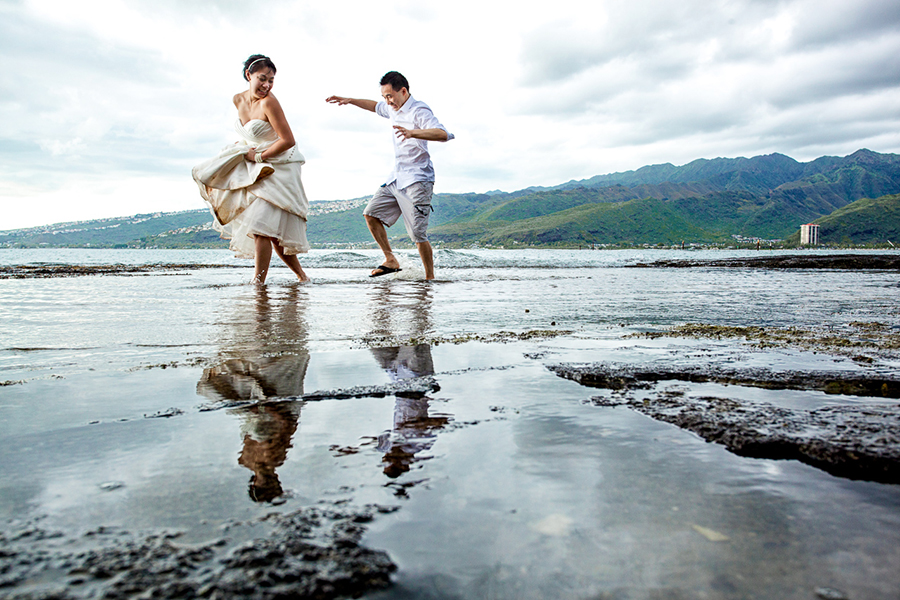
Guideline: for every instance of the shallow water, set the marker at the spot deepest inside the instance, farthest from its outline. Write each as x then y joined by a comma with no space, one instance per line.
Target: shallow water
510,483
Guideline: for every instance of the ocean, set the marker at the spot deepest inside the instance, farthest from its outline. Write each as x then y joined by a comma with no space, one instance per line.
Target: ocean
178,397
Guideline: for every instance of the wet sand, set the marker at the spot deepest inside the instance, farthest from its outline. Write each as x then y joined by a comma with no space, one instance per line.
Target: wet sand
196,437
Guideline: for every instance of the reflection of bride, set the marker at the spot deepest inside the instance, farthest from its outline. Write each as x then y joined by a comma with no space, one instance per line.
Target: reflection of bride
256,379
394,314
267,431
264,359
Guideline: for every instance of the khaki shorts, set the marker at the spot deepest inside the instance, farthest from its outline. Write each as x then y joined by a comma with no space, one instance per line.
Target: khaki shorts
413,203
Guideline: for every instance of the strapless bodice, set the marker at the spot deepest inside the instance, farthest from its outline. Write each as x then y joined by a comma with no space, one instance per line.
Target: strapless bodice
256,131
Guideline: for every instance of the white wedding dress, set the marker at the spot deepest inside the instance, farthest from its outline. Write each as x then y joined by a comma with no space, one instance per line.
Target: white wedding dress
248,198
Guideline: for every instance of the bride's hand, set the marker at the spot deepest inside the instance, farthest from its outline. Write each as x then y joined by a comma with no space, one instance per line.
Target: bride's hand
251,155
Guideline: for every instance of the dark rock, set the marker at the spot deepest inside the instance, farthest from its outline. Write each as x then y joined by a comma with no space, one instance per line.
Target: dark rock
791,261
40,271
830,594
310,553
165,414
414,387
628,377
857,441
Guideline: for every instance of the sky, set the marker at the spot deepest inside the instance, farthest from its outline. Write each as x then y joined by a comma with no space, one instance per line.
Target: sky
107,104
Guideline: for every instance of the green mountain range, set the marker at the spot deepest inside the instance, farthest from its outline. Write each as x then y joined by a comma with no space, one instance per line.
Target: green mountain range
855,200
705,201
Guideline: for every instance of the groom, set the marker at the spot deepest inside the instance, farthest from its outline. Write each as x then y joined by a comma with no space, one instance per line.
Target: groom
409,188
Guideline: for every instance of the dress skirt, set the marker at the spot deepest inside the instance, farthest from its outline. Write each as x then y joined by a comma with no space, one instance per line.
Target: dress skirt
262,218
249,199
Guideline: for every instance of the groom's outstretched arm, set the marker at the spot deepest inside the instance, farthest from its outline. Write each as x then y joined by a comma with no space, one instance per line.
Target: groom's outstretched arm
341,101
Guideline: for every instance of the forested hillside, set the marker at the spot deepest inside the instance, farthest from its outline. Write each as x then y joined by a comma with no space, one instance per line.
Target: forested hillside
707,201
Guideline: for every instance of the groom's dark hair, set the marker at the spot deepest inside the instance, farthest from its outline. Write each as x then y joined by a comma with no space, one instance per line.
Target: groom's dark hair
395,80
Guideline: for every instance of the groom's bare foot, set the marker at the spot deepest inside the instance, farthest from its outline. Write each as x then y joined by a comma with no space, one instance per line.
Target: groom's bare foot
391,263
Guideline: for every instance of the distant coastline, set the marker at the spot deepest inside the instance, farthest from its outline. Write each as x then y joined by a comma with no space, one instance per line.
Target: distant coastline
732,203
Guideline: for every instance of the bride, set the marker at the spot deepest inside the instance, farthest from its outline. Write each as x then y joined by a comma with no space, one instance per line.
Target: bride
253,186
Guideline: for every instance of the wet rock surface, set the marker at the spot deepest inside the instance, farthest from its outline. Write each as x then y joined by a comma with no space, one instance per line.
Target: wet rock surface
310,553
414,387
499,337
858,441
630,377
791,261
863,341
42,271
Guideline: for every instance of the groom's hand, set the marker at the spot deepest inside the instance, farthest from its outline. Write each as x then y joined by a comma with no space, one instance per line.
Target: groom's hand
403,132
341,101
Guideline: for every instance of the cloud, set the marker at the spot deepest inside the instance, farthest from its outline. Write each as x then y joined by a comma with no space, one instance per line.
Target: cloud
767,51
105,96
832,72
81,102
666,40
833,22
775,76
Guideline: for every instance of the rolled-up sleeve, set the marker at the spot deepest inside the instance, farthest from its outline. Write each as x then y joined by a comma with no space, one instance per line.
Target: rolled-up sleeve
425,119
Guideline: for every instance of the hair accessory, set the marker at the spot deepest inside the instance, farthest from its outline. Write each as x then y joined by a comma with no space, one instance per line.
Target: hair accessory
250,66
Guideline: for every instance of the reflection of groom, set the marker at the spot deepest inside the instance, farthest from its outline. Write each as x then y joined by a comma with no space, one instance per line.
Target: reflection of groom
414,430
405,362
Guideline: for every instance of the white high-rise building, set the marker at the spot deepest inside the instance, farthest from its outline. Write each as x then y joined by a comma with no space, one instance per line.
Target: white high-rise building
809,234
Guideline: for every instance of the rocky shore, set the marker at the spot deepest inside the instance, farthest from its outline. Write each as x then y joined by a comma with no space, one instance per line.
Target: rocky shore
44,271
857,441
884,261
308,553
791,261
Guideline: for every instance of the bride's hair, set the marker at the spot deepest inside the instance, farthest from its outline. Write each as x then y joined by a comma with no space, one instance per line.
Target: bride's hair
257,62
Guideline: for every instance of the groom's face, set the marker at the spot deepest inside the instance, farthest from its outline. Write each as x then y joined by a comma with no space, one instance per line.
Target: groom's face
394,98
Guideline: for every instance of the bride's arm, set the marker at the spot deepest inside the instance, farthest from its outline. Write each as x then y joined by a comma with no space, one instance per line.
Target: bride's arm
276,118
